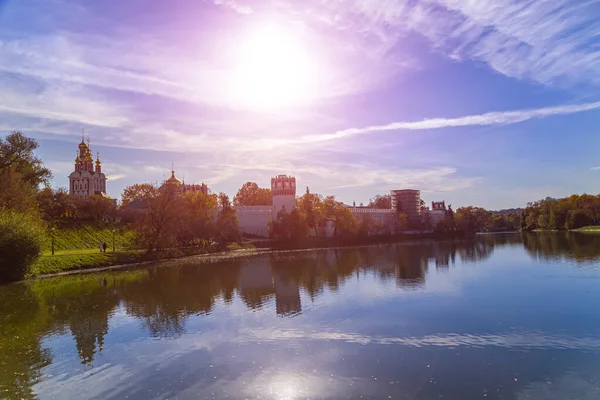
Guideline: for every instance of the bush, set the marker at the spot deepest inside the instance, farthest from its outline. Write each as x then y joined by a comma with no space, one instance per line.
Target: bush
21,238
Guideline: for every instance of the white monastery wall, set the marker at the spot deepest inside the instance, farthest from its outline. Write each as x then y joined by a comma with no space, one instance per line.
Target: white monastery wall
254,220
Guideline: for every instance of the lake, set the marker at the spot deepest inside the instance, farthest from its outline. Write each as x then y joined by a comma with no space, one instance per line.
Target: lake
503,316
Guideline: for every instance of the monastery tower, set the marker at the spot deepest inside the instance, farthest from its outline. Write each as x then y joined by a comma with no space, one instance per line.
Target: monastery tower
283,189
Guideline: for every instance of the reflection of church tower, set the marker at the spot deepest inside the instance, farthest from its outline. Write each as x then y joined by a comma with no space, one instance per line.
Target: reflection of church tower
89,336
283,189
410,267
287,295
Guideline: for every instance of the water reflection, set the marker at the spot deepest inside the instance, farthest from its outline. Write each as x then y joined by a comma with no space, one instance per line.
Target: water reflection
164,300
575,246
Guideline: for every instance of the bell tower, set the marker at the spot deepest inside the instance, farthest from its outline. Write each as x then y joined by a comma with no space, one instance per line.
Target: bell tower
283,190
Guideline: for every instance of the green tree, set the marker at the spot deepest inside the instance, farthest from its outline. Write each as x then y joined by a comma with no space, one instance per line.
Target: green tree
161,217
21,172
56,206
578,219
95,209
309,206
523,223
552,224
226,226
288,225
250,194
335,212
21,238
199,214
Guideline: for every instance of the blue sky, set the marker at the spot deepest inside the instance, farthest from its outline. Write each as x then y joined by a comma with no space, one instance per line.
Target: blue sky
473,102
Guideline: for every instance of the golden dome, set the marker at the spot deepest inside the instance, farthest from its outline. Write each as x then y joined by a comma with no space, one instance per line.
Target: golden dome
173,179
82,145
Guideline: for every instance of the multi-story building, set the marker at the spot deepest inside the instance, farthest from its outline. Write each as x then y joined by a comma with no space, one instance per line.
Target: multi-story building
87,179
409,202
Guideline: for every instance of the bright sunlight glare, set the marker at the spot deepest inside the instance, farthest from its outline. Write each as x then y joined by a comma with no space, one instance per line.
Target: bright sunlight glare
272,69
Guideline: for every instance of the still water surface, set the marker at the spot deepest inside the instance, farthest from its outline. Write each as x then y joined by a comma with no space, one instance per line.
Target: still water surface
501,317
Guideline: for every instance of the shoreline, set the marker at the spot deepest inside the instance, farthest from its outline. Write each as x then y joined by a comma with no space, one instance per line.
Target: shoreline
212,258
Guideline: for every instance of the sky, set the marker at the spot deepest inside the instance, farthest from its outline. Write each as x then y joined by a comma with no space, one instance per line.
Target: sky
474,102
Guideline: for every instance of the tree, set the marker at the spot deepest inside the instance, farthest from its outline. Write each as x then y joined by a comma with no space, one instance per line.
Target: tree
95,209
198,219
552,224
56,206
21,172
162,211
450,217
381,201
288,225
523,221
135,192
16,153
309,207
399,208
366,226
227,227
335,212
252,195
471,219
21,238
401,222
578,219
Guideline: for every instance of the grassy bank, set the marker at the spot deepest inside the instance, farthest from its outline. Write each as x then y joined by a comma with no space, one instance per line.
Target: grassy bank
588,229
87,259
86,237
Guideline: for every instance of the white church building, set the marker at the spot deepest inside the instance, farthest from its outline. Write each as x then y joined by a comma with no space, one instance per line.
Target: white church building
87,177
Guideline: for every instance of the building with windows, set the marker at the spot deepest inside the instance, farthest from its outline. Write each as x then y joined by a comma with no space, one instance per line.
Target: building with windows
87,178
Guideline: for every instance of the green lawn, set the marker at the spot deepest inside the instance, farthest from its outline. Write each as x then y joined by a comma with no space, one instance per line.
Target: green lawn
86,237
78,248
82,259
588,229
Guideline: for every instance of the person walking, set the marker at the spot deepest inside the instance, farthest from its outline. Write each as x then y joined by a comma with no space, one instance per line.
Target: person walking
100,246
104,246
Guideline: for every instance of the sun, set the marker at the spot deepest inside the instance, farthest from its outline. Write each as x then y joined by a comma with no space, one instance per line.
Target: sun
273,69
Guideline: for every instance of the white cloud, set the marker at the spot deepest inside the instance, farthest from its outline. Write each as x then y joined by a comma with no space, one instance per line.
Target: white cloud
487,119
110,178
238,8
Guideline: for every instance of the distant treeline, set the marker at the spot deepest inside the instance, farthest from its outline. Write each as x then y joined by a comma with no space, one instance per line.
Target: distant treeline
573,212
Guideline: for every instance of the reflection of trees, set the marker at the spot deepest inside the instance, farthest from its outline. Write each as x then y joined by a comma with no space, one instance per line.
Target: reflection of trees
22,325
163,298
167,296
575,246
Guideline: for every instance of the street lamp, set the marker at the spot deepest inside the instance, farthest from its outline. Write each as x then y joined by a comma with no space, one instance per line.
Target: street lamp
52,233
113,232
